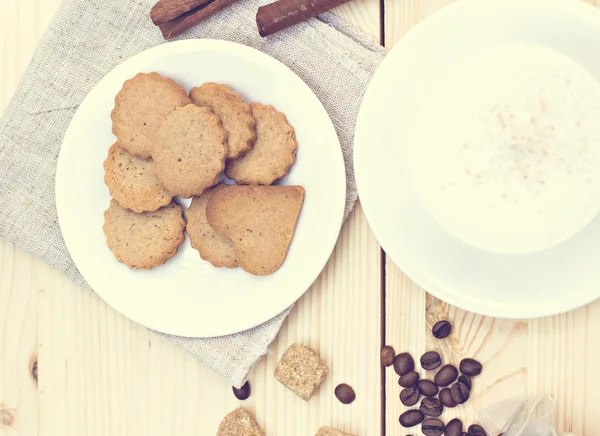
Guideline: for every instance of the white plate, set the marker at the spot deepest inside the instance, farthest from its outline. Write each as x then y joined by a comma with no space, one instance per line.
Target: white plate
187,296
511,286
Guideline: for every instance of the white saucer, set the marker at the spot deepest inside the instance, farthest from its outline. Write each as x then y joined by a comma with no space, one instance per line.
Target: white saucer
187,296
511,286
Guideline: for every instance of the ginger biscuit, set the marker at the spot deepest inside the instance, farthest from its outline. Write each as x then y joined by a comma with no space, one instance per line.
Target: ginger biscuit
190,150
140,107
214,248
273,153
143,240
132,182
234,112
260,221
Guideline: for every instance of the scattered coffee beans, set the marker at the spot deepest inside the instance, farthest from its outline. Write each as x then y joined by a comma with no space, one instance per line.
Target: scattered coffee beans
431,360
410,396
465,380
387,356
242,393
410,418
441,329
345,394
431,407
403,363
470,367
460,393
427,388
446,375
409,379
454,428
456,387
476,430
432,427
446,398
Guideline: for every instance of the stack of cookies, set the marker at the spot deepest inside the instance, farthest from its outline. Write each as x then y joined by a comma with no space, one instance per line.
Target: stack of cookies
170,144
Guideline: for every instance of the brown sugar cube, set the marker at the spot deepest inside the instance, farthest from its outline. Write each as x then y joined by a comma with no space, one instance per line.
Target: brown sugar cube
328,431
239,423
301,370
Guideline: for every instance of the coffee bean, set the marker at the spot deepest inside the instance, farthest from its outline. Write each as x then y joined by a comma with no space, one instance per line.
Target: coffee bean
431,407
476,430
441,329
460,392
387,356
454,428
470,367
410,418
431,360
242,393
466,381
403,363
427,388
344,393
409,379
446,375
410,396
432,427
446,398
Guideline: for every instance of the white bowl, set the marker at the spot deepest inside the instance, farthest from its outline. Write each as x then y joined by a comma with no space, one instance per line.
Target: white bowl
511,286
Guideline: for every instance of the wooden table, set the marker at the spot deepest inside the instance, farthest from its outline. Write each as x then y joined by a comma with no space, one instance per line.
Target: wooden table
101,374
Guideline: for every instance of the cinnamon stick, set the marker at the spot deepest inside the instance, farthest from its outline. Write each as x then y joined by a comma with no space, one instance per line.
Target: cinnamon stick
167,10
284,13
183,22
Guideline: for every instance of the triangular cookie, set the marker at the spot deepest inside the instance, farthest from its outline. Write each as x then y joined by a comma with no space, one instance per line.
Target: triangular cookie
260,220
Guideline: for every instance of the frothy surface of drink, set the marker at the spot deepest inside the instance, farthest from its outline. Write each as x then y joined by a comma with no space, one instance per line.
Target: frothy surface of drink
506,148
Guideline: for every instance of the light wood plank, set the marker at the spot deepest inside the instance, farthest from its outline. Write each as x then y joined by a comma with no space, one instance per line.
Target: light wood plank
340,317
99,373
562,351
546,356
18,343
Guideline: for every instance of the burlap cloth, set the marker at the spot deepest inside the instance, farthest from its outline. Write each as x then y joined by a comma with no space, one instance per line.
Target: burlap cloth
86,39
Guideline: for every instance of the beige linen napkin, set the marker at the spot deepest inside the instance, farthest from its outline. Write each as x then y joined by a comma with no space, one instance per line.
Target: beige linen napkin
86,39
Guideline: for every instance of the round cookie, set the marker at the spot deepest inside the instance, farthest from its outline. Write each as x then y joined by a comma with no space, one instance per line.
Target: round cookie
143,240
273,153
234,113
214,248
140,107
132,182
190,150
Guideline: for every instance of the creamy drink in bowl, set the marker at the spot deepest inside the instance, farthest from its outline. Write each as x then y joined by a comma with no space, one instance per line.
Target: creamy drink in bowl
505,153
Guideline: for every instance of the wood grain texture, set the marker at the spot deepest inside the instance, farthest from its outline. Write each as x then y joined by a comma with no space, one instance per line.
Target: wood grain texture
99,373
546,356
